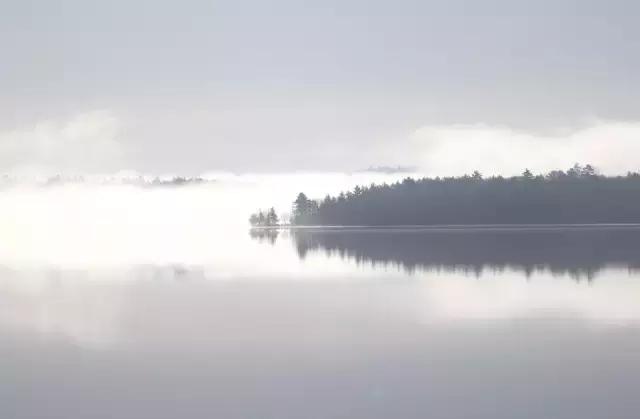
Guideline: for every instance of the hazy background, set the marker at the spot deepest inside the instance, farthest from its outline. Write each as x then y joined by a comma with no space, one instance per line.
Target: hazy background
275,98
281,86
128,301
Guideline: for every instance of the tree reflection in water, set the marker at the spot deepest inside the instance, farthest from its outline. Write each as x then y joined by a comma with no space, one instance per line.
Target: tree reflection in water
578,251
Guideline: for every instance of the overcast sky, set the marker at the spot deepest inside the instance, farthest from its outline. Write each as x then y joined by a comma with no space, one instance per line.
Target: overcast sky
261,86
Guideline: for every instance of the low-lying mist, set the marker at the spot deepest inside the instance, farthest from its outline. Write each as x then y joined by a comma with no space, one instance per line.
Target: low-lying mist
78,225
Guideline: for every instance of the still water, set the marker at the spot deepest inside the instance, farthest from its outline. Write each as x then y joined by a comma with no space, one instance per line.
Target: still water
335,323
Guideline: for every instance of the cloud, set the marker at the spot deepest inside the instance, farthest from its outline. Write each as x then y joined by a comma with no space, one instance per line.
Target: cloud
86,142
613,147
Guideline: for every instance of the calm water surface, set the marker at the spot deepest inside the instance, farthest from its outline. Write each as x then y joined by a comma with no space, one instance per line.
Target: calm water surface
335,323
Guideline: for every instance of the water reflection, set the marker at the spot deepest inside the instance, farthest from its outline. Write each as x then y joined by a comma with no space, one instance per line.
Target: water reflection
161,345
581,252
321,337
269,235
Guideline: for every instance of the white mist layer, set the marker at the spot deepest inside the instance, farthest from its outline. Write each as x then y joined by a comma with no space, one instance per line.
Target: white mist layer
85,225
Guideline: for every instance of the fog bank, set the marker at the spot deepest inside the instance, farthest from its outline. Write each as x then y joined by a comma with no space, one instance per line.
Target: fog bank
87,224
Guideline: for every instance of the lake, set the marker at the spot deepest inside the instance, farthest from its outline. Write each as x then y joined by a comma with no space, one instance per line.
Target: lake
455,322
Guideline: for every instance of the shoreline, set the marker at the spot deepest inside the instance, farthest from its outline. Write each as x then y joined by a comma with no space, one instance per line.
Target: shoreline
455,227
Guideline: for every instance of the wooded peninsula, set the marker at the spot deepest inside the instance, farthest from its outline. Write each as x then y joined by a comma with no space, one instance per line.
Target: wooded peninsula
579,195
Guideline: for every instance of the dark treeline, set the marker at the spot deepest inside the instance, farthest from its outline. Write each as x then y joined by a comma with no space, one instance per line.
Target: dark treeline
577,251
576,196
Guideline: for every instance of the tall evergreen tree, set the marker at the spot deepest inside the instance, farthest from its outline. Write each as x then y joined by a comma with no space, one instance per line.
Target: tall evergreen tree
302,209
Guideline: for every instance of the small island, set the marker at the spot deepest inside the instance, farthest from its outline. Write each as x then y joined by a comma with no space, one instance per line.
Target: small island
262,218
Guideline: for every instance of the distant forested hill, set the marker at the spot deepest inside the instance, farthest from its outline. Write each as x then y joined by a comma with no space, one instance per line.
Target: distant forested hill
579,195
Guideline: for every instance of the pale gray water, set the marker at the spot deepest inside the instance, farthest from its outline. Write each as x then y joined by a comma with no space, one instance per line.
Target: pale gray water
355,323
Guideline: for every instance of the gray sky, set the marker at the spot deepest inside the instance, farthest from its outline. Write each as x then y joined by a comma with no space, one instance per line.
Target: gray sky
337,85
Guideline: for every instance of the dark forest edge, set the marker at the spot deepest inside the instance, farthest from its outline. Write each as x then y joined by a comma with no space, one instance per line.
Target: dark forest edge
579,195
